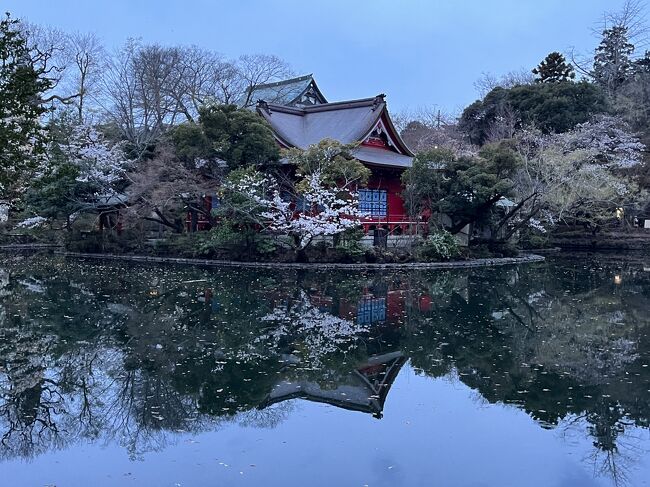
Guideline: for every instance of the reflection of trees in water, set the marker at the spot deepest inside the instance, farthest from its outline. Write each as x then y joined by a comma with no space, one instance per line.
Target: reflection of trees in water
29,397
617,446
130,361
554,344
316,332
91,396
614,452
268,417
132,356
27,412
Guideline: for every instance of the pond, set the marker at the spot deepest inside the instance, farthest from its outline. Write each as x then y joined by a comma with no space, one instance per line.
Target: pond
120,374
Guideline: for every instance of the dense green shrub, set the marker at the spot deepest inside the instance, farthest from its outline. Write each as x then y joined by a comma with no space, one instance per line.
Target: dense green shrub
493,250
505,249
440,245
104,242
532,239
179,245
348,246
238,241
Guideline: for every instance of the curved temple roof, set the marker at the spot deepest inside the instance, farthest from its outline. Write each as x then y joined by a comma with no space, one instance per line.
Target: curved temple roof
299,91
346,121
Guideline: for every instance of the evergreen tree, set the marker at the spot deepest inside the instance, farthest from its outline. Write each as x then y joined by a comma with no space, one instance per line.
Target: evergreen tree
226,133
23,80
642,65
551,107
612,63
554,69
464,188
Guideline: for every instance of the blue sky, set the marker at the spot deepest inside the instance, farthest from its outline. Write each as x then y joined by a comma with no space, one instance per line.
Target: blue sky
418,52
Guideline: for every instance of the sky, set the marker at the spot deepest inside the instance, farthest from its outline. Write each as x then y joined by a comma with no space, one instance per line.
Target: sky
420,53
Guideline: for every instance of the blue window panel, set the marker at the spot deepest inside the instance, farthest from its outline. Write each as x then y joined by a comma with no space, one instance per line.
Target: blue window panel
215,202
373,202
302,204
372,310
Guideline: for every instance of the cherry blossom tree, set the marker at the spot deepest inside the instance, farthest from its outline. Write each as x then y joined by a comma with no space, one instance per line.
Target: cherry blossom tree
320,210
101,164
575,177
610,141
320,201
82,169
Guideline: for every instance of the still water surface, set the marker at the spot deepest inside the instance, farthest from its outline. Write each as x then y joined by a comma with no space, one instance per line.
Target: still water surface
124,375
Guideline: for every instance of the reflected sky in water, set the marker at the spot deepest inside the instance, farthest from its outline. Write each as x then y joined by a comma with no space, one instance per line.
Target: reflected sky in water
117,374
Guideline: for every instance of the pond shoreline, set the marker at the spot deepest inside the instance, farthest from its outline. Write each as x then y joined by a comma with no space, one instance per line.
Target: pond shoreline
528,258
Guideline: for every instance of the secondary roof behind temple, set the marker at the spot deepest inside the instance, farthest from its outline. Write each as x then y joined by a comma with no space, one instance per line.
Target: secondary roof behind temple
300,91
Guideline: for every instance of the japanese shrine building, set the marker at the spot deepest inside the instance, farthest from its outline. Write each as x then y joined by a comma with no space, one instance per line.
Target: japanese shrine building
300,116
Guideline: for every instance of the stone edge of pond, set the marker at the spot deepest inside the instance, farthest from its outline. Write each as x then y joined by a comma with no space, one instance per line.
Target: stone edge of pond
528,258
32,246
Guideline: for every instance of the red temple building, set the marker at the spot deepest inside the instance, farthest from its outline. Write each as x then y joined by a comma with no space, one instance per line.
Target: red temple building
300,116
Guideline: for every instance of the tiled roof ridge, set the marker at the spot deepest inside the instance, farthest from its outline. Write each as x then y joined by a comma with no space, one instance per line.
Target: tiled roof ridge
282,82
324,107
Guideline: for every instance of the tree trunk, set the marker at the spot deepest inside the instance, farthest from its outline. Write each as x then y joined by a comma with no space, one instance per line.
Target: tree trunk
301,252
481,210
194,220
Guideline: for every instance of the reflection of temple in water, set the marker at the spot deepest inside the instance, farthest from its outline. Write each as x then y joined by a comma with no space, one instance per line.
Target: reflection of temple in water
364,386
378,306
364,389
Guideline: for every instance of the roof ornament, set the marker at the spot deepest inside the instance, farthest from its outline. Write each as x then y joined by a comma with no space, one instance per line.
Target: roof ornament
379,99
264,106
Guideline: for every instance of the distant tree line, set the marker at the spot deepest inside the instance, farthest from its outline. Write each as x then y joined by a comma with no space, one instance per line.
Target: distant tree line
576,133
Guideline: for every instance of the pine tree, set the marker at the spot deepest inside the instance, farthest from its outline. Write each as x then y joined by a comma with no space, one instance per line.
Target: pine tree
554,69
642,65
23,80
612,63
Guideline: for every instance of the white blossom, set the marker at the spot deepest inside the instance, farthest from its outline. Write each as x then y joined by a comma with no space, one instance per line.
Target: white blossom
578,172
609,140
100,163
329,210
537,225
320,333
33,222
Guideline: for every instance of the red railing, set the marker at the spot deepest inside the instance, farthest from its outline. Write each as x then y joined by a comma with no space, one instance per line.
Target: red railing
395,224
